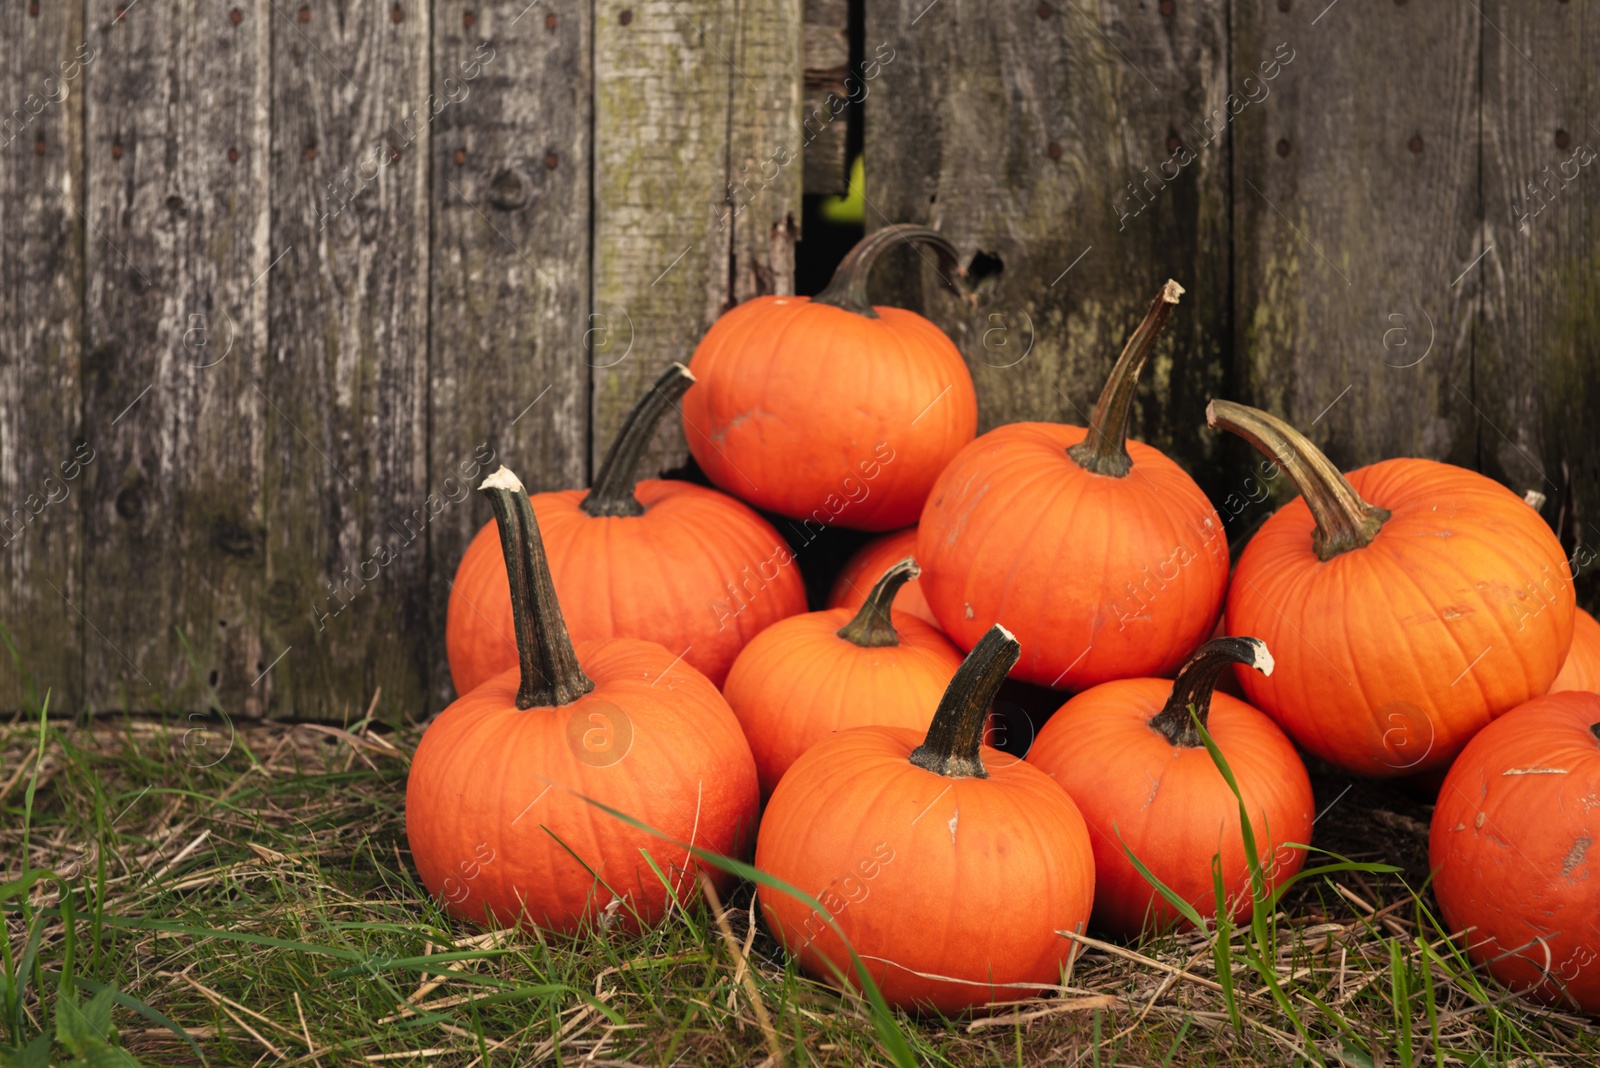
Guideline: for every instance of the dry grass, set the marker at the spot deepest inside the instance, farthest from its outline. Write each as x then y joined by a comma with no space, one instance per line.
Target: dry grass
265,904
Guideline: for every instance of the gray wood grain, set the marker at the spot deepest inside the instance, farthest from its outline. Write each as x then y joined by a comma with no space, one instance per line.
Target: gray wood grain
349,493
1356,193
827,63
1537,380
1016,130
765,163
662,222
174,509
510,261
41,351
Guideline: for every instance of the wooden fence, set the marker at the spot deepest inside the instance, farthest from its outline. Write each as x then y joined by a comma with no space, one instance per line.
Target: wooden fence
279,274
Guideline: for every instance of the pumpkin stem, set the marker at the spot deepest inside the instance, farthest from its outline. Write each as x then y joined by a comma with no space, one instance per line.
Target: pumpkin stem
871,628
1104,449
951,745
612,490
551,676
847,288
1344,520
1191,690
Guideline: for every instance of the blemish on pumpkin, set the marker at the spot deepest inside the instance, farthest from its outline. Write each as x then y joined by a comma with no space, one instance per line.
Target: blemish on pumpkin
956,818
1477,821
969,611
1453,613
1575,857
1534,771
1459,827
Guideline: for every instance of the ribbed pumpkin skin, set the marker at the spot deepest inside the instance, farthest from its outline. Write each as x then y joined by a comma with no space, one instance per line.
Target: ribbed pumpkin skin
1582,669
1379,648
1016,533
798,683
662,577
968,879
490,785
1513,848
850,589
818,413
1170,804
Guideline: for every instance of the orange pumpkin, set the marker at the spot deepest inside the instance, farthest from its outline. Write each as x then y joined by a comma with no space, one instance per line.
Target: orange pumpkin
828,409
855,580
1101,554
949,866
1512,849
669,562
1582,669
1408,604
807,677
495,809
1130,756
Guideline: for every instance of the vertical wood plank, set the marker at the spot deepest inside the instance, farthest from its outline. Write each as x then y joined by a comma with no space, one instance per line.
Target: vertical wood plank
662,85
1020,131
765,164
1537,381
1356,194
349,499
176,161
510,264
41,350
827,65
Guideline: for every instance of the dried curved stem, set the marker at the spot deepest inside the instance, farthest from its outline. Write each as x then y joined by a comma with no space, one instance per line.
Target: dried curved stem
1344,520
951,745
1191,690
612,490
872,628
847,288
551,676
1104,449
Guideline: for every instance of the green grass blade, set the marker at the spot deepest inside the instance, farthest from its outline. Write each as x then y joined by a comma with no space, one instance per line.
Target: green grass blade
1184,908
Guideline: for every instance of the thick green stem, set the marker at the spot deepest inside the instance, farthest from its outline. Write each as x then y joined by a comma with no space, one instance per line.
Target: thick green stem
951,745
551,676
1191,690
1104,450
871,628
612,490
1344,520
847,288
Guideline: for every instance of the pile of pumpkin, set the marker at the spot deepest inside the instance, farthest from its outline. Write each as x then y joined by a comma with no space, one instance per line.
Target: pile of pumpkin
641,682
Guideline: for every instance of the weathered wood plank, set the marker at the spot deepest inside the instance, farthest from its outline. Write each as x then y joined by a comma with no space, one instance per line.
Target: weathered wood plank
765,163
1020,131
827,64
41,351
176,159
662,85
1356,225
348,490
1537,354
510,265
